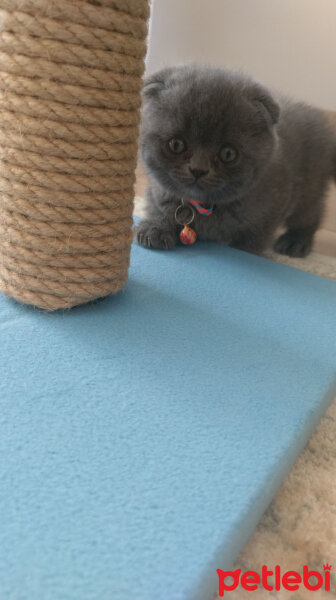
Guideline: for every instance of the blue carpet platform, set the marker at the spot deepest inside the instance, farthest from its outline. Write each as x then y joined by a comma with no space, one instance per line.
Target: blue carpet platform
142,437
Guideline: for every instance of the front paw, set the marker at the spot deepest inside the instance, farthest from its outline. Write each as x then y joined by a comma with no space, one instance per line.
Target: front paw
294,244
154,236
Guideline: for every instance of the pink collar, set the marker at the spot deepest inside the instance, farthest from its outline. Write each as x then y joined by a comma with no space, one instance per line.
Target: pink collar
200,207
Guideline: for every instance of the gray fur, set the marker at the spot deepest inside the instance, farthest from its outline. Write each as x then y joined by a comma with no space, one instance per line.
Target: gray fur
286,159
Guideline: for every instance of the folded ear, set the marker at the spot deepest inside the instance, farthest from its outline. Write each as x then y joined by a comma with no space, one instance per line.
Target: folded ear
154,84
265,103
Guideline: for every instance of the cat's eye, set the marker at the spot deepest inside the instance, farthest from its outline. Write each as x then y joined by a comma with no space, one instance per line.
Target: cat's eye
228,154
177,145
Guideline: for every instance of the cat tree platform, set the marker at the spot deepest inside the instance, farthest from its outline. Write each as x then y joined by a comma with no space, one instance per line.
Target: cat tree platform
142,437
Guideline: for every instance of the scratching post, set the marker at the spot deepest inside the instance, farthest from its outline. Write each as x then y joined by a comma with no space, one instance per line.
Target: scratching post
70,81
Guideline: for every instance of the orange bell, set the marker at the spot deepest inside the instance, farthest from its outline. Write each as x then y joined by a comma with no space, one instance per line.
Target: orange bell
188,236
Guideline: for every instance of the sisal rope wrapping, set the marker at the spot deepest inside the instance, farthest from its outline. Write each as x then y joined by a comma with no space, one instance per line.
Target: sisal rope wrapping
70,83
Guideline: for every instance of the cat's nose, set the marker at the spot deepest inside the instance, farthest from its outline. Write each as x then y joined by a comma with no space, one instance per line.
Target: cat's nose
198,173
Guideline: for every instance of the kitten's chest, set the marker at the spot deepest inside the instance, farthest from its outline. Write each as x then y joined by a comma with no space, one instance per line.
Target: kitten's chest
219,226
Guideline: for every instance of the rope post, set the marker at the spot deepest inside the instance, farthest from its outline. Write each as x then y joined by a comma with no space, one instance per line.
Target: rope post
70,94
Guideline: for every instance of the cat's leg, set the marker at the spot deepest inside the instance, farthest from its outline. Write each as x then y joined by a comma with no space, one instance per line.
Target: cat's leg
302,224
159,229
296,242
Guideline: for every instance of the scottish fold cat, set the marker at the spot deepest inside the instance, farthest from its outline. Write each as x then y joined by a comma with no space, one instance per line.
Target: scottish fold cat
239,161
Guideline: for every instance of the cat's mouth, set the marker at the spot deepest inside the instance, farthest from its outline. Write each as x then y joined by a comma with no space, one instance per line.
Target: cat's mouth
209,194
204,183
201,187
192,183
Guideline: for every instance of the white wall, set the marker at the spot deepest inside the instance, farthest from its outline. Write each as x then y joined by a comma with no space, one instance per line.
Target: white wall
288,44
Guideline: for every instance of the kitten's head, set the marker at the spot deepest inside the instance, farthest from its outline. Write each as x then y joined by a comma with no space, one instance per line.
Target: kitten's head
206,133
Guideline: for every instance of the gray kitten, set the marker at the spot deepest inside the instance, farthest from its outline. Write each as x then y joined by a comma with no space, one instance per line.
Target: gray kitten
255,160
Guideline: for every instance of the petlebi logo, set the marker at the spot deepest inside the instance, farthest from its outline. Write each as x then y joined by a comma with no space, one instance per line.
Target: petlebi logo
288,580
